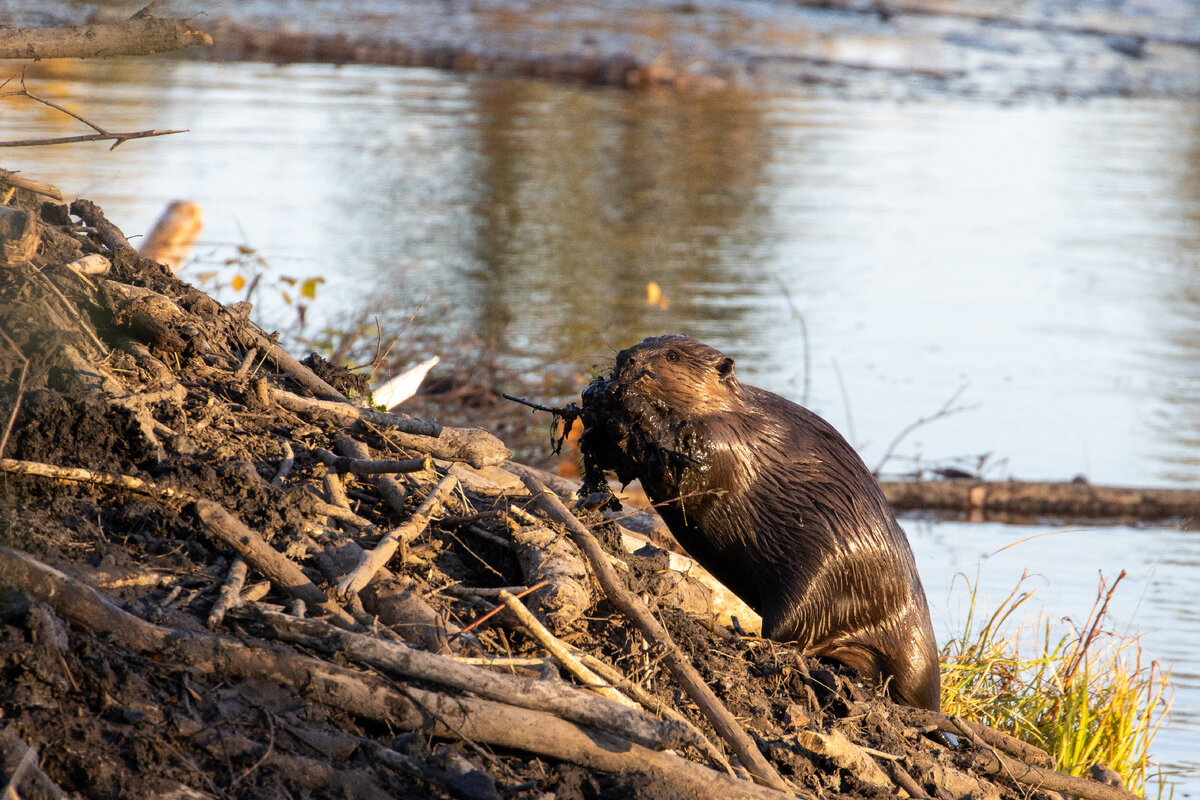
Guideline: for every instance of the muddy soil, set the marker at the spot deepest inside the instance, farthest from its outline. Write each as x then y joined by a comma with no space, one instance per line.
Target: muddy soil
143,414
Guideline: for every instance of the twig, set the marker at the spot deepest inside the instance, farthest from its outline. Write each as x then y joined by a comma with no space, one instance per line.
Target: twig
521,592
20,391
948,409
281,570
799,317
679,666
231,592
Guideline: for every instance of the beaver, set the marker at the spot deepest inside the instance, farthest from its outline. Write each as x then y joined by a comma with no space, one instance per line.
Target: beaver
771,500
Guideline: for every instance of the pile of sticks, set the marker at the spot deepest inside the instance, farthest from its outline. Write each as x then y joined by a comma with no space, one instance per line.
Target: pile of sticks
322,575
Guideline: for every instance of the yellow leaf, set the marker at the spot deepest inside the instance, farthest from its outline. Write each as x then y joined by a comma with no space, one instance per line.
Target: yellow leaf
655,296
238,283
309,288
653,293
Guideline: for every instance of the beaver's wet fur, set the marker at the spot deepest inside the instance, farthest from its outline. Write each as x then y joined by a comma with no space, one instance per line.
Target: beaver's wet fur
771,500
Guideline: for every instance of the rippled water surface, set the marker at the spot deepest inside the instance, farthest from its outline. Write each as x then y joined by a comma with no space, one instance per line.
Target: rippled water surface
869,259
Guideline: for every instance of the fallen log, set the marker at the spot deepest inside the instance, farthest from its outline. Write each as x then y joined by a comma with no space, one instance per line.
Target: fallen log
1033,499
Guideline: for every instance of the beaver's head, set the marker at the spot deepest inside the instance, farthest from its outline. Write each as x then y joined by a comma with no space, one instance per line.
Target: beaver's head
677,373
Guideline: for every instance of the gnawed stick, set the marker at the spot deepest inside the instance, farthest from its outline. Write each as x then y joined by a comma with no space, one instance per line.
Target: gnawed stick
846,755
373,560
918,717
389,488
281,570
456,717
78,475
544,555
555,698
636,612
341,513
990,761
344,414
561,652
372,467
231,592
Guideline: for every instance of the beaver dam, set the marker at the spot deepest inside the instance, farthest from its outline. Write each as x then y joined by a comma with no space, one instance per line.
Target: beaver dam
223,575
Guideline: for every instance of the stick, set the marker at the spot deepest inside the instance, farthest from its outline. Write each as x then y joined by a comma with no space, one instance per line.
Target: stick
281,570
285,466
79,475
231,592
369,467
555,698
637,613
30,185
561,652
344,414
655,704
375,559
991,761
391,489
919,717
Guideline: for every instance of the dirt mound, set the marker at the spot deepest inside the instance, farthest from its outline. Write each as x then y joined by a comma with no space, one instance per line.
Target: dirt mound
219,577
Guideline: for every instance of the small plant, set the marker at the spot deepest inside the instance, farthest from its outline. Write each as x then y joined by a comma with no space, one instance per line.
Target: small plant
1085,695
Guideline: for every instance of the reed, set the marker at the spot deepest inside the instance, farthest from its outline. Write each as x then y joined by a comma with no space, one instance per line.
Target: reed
1085,694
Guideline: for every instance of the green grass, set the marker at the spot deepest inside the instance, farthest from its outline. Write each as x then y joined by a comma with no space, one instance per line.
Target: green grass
1084,694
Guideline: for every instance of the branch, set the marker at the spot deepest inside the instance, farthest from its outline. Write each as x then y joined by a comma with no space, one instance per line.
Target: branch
636,612
137,37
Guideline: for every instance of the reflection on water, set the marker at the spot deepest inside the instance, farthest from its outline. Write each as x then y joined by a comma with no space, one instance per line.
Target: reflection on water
1043,255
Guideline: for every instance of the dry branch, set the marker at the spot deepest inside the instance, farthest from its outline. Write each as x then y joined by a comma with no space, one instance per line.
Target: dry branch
362,466
342,413
230,595
637,613
266,559
136,37
561,652
539,695
37,187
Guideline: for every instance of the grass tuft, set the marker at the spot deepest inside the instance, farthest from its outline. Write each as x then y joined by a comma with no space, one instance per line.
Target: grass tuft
1084,694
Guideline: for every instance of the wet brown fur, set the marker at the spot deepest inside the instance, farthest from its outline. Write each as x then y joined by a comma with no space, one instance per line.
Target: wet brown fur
768,497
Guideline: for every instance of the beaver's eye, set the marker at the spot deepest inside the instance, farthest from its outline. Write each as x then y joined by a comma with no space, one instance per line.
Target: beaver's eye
672,356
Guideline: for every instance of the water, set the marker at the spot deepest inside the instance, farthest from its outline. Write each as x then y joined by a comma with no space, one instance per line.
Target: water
1043,256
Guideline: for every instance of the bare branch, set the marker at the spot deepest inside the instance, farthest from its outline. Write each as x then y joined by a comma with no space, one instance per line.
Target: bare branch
100,134
948,409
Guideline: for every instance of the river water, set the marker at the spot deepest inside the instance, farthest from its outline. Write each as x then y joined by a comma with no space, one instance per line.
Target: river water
1036,265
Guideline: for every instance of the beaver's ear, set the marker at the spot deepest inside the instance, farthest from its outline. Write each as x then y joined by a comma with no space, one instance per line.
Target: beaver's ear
725,368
